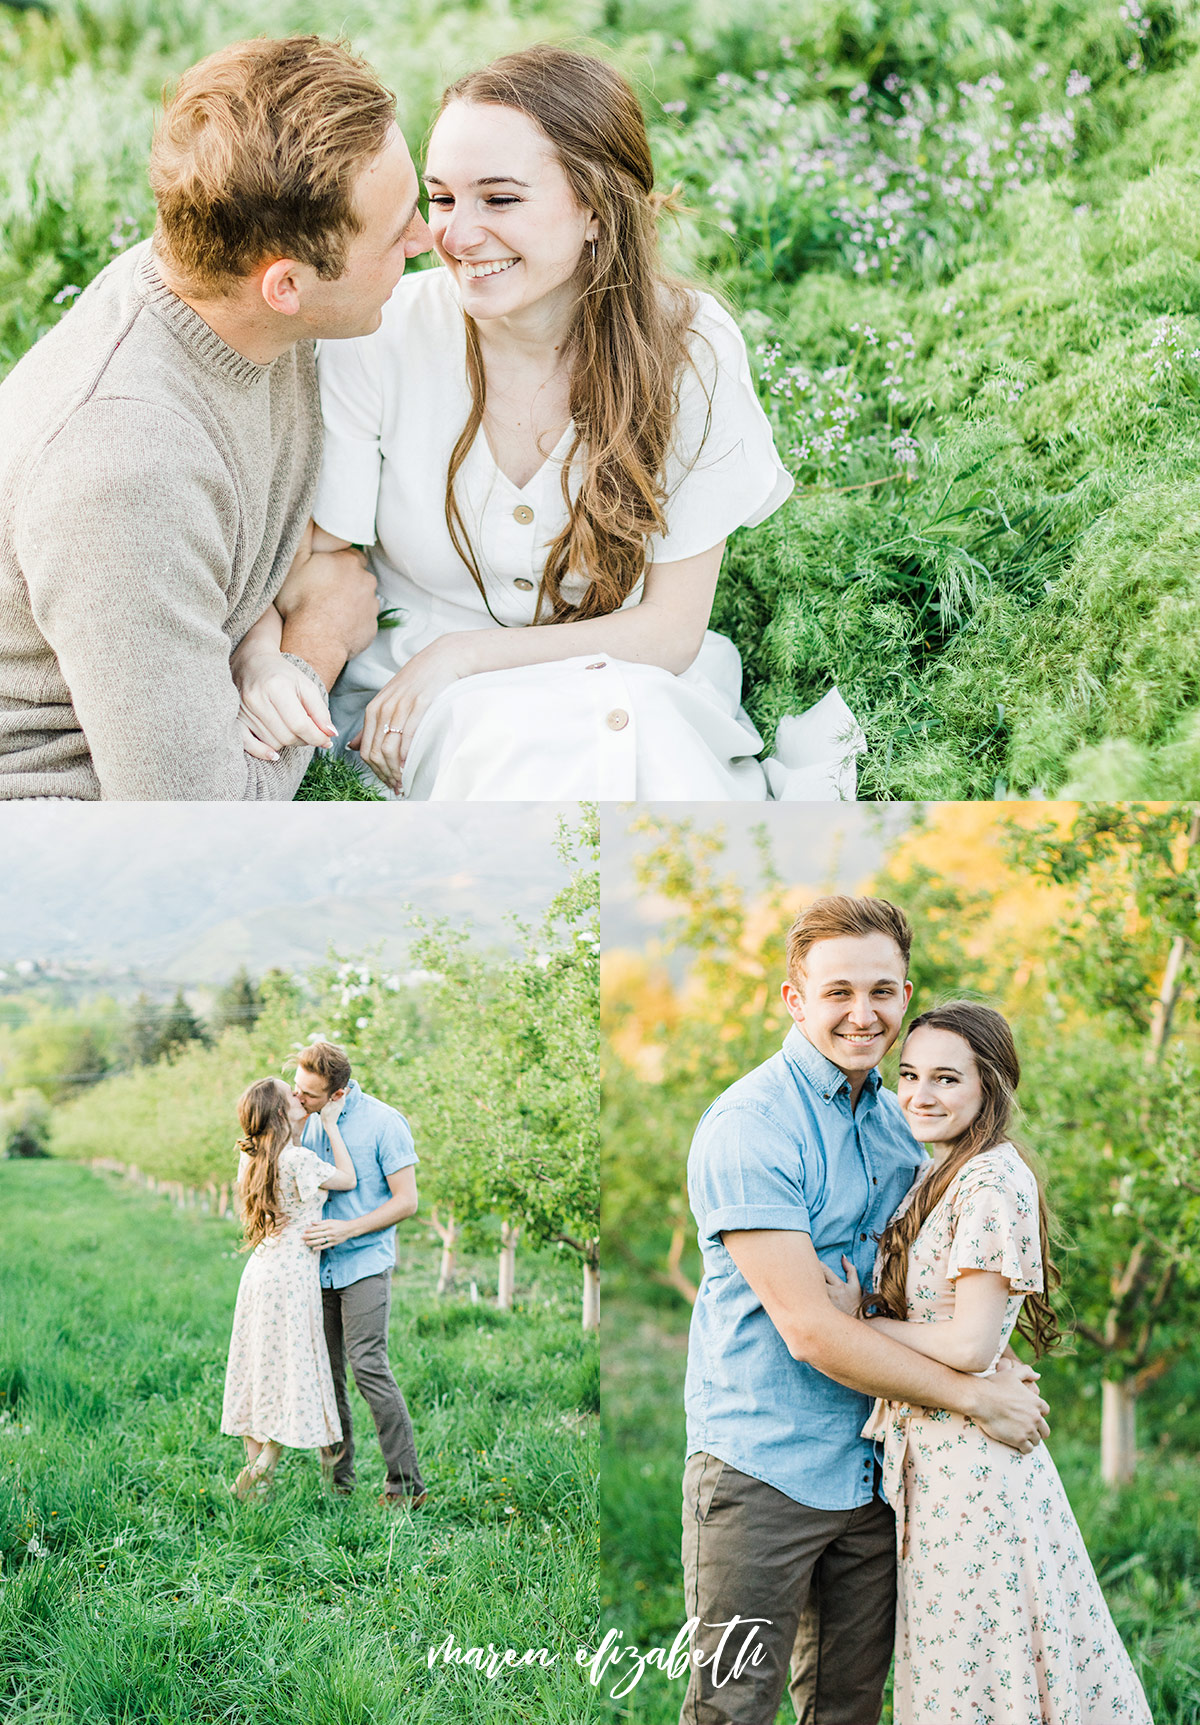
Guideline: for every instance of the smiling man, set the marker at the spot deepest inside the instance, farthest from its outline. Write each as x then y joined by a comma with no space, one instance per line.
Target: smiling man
159,447
799,1162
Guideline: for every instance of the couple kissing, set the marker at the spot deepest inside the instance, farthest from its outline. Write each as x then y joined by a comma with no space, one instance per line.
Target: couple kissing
324,1174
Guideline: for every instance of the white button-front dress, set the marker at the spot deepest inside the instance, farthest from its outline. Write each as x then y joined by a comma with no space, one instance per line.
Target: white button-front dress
394,405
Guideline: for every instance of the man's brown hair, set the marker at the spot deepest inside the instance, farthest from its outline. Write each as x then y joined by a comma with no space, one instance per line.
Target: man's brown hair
836,915
326,1060
256,156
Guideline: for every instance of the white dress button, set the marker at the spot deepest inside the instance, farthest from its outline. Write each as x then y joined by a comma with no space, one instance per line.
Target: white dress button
598,666
525,586
523,513
617,719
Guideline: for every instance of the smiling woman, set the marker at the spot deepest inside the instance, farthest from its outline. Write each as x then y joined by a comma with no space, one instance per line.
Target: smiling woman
549,431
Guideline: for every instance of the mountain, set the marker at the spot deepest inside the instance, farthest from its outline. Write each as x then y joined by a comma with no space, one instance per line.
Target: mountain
191,891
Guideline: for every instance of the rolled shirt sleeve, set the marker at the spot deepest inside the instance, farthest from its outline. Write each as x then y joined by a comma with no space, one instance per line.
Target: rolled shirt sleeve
396,1149
744,1172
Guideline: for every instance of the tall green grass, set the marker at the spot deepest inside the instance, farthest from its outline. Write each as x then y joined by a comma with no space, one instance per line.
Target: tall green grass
1143,1539
134,1588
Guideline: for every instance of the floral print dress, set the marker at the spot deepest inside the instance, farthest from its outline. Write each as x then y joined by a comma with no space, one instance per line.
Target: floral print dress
278,1385
1000,1619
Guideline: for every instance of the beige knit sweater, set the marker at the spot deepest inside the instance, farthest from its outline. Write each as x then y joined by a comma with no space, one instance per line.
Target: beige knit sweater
153,489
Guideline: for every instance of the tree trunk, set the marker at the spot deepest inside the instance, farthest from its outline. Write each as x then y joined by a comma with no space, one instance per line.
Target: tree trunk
509,1235
447,1233
447,1266
674,1276
591,1298
1118,1447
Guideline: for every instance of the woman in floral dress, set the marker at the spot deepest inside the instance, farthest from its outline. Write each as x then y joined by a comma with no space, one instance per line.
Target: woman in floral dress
1000,1619
278,1385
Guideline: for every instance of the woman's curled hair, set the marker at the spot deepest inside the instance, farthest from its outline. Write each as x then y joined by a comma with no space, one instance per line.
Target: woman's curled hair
628,345
990,1039
266,1129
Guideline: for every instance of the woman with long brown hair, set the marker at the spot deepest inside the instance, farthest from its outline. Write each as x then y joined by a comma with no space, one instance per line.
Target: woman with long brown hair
278,1385
546,445
1000,1618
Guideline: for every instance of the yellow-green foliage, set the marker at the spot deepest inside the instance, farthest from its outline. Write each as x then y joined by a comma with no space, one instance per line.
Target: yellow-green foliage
176,1120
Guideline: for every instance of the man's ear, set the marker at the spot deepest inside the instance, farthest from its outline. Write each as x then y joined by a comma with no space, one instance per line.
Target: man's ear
278,284
793,999
336,1095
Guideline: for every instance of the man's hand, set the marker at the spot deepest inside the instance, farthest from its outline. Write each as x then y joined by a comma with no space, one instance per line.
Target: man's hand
784,1271
328,1234
396,711
328,604
1010,1408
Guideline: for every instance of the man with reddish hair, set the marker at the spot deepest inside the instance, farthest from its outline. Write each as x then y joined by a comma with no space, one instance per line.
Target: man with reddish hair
357,1240
159,447
800,1162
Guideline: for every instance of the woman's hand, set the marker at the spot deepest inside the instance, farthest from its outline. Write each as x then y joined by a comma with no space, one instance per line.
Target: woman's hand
280,705
394,714
330,1112
847,1295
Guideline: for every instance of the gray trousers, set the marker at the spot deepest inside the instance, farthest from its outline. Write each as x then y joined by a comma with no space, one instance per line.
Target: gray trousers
356,1332
824,1581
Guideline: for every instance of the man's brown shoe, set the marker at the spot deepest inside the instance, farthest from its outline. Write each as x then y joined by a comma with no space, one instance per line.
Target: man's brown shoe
403,1500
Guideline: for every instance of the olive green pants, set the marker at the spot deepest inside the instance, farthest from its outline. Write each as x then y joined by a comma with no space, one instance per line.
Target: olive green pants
822,1582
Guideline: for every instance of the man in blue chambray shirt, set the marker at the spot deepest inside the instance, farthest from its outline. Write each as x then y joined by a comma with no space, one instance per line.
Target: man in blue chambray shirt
357,1236
800,1162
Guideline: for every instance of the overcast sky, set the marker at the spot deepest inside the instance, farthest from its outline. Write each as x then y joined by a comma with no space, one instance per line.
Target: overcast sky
218,884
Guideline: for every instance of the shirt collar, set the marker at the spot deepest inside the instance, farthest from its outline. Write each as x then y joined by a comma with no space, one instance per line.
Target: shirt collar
353,1092
826,1079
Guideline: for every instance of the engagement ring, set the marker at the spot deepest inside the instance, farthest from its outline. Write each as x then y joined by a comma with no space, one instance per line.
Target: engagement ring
392,731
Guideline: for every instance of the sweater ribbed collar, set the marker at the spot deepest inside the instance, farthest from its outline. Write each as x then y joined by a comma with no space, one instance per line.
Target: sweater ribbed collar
200,339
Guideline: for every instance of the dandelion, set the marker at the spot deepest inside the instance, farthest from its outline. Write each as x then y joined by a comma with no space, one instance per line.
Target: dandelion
1078,84
36,1549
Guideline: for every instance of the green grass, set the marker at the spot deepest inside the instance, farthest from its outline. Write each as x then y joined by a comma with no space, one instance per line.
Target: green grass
134,1588
1146,1537
1008,595
334,779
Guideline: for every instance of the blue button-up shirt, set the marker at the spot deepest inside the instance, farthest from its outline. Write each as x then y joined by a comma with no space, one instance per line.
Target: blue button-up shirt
783,1149
380,1143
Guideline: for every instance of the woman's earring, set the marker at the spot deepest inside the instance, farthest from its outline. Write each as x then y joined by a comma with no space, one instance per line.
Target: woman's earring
592,243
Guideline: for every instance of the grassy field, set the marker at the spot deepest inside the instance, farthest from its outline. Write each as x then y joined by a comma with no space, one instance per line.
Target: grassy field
134,1588
963,246
1144,1540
